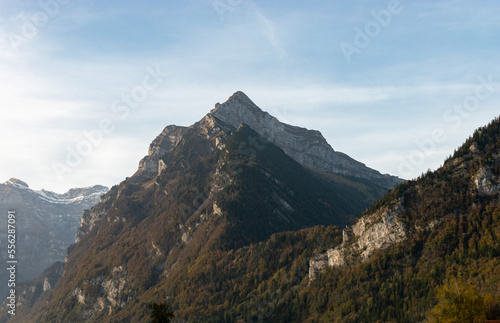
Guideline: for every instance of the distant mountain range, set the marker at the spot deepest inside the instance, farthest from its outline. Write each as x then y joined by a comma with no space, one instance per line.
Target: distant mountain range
46,224
240,218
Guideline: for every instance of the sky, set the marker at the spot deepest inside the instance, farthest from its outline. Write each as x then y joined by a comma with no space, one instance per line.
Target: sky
85,86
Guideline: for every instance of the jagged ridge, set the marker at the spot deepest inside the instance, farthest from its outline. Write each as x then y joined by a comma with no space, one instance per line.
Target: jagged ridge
308,147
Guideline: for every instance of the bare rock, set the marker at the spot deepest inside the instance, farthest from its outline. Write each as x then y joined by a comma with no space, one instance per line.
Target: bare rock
370,233
307,147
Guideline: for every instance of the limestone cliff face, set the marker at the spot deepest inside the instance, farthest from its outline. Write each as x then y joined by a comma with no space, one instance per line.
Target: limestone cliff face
485,182
114,292
91,217
370,233
164,143
46,223
308,147
88,221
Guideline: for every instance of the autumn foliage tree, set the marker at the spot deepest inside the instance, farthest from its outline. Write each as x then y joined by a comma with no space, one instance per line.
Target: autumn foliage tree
459,302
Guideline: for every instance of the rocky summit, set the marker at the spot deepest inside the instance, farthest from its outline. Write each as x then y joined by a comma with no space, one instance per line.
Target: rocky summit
307,147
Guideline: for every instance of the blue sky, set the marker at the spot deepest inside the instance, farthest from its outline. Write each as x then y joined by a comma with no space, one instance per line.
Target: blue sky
420,77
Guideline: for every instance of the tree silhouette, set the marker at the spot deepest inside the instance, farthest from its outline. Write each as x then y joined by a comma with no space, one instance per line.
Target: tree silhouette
161,313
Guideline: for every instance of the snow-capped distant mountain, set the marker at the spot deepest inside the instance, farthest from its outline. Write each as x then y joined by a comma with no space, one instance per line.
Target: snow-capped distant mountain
46,223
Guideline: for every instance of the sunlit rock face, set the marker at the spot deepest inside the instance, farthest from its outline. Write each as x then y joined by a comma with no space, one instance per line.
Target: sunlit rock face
164,143
370,233
308,147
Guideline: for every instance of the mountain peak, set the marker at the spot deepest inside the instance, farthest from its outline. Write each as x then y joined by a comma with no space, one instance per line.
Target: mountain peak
239,95
237,102
17,182
308,147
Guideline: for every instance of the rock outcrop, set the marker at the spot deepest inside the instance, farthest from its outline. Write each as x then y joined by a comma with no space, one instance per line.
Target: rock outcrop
113,293
164,143
486,183
370,233
37,290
